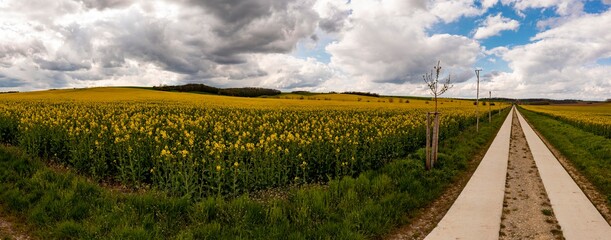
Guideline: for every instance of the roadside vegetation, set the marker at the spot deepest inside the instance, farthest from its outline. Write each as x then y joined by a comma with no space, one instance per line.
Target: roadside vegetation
589,152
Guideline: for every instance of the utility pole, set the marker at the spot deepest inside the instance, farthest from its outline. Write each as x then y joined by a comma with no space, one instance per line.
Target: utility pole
477,100
489,106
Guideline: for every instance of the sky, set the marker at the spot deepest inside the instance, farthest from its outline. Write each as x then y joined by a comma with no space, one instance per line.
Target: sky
558,49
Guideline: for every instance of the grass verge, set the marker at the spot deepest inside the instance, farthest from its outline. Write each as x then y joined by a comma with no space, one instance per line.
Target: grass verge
589,153
63,205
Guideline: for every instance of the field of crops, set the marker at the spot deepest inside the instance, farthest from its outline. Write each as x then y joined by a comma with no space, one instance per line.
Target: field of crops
594,118
202,145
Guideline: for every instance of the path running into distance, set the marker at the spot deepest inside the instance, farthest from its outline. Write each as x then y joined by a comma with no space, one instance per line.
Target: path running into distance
478,210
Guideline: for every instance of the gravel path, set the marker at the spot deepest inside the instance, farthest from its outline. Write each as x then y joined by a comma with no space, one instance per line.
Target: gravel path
527,212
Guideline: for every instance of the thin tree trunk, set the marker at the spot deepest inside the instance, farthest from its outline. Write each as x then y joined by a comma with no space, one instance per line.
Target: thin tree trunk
428,141
435,139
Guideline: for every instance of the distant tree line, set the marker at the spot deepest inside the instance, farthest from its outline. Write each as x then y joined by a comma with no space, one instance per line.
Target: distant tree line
236,92
363,94
249,92
544,101
303,93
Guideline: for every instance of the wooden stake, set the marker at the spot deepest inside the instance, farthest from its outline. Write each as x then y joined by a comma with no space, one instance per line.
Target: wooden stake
428,141
435,139
489,107
477,101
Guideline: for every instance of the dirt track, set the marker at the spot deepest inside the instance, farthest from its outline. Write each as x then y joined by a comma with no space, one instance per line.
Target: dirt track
527,212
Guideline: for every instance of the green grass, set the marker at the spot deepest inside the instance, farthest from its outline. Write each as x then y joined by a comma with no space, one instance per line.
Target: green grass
63,205
590,153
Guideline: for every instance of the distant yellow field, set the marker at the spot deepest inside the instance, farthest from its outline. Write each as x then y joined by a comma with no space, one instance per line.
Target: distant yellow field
592,117
206,144
333,101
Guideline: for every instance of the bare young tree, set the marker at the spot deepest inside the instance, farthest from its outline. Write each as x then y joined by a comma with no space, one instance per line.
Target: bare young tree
432,80
432,118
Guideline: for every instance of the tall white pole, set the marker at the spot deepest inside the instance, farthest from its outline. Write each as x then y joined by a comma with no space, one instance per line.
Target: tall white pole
477,100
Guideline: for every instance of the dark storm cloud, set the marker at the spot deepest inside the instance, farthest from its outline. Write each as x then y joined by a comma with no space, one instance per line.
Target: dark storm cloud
58,80
195,45
111,57
154,41
257,26
7,82
239,13
490,76
462,75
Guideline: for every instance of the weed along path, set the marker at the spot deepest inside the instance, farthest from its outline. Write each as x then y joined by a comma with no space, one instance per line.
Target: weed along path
520,191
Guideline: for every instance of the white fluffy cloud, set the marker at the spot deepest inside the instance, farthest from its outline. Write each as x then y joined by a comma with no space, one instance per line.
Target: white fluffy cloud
493,25
451,10
73,43
562,7
122,42
381,46
387,43
562,62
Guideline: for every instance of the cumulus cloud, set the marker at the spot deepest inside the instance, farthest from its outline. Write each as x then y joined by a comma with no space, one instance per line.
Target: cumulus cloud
287,72
84,41
451,10
333,14
10,52
562,7
258,26
380,46
388,44
228,43
563,61
494,25
497,51
488,3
